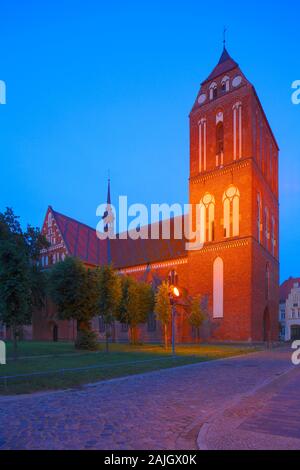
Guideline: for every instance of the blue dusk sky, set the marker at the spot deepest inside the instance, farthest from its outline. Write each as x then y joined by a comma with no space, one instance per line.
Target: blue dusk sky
95,85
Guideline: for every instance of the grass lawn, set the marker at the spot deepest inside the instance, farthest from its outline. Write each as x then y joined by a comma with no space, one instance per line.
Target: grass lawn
123,359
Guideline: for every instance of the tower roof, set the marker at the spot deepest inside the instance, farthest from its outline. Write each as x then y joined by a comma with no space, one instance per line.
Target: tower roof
225,64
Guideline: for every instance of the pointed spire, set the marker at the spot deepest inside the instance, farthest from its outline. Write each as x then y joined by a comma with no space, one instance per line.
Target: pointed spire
225,64
224,56
108,220
224,36
108,192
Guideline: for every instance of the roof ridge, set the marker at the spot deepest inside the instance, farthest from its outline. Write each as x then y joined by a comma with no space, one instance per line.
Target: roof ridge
73,220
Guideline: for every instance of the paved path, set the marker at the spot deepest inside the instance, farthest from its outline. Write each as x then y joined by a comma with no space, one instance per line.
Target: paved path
266,420
158,410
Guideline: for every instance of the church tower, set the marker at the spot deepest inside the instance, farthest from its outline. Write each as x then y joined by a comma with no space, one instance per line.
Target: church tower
234,179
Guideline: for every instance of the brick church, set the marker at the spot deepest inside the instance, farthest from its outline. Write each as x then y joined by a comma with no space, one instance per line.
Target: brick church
234,179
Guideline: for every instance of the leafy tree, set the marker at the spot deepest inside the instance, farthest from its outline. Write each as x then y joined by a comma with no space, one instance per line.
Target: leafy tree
22,283
15,289
198,313
137,301
163,308
146,300
35,242
109,296
73,289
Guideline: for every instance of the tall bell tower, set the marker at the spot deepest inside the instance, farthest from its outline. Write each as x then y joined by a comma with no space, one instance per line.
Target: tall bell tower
234,179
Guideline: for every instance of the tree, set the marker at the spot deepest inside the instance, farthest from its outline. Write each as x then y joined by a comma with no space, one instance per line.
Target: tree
163,308
109,296
72,288
35,242
137,301
15,289
22,284
198,313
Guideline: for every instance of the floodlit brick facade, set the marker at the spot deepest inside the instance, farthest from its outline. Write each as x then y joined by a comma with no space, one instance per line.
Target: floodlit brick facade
234,182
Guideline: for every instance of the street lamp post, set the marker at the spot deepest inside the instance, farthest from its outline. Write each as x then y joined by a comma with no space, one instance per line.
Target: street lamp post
173,294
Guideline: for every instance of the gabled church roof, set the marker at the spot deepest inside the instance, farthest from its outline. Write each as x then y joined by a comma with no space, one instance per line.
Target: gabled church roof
225,64
81,241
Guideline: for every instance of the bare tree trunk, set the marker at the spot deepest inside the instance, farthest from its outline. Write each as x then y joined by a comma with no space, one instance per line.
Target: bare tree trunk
166,335
106,339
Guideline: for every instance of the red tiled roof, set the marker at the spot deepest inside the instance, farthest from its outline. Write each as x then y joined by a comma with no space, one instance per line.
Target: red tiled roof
286,287
82,242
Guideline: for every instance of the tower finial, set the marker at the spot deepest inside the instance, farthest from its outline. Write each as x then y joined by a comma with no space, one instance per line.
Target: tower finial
108,190
224,36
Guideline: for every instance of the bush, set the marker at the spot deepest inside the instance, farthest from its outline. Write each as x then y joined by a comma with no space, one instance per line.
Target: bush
87,340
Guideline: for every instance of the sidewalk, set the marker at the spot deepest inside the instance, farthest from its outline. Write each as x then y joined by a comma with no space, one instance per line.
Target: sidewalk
266,419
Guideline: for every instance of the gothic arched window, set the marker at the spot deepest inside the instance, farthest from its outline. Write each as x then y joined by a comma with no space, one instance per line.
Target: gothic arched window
225,83
231,209
219,138
237,131
207,218
218,288
213,91
173,278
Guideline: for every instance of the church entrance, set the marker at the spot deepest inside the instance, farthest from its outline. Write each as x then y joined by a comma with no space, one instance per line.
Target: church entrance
266,325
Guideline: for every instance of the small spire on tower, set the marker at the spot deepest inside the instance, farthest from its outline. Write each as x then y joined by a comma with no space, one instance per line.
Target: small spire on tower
224,36
108,190
108,219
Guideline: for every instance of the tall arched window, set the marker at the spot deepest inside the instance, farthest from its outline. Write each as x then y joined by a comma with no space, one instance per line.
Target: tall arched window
218,288
202,145
231,210
219,143
207,218
258,210
237,131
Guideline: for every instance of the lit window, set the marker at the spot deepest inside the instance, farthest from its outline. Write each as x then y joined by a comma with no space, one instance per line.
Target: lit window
207,218
220,144
231,209
173,278
218,288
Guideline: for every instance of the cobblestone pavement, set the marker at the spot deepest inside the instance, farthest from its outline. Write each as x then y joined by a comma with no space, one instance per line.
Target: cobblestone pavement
266,420
158,410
